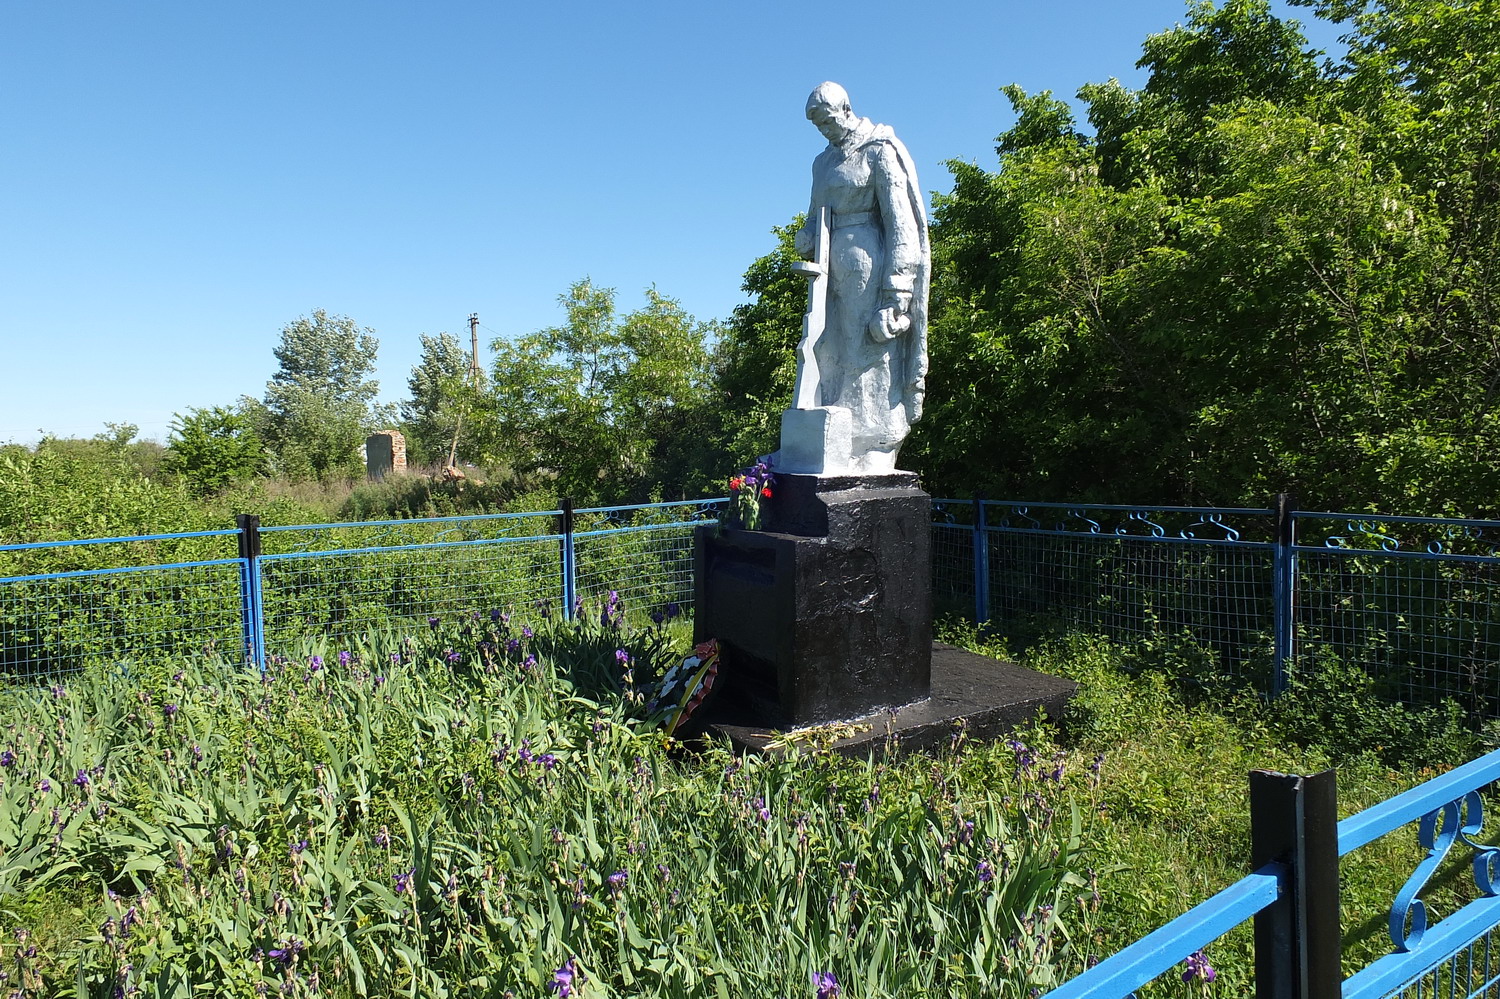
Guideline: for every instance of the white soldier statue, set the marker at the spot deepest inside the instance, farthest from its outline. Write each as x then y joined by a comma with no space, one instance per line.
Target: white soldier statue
862,362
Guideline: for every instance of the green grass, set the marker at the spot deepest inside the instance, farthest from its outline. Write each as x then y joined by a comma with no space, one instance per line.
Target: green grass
1173,825
448,825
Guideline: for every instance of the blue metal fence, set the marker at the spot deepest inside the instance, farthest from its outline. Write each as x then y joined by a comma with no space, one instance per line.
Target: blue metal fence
1455,957
1410,600
256,591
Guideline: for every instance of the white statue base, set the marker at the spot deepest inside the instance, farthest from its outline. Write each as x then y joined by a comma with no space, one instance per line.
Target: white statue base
816,441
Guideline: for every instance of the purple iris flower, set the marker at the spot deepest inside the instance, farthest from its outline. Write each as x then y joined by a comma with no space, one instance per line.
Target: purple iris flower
453,658
169,710
495,614
7,759
617,881
345,658
315,663
403,881
287,952
432,622
562,978
986,872
1198,967
82,780
526,632
826,984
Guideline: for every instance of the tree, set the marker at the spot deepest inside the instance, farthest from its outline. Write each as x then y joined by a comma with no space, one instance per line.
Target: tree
1253,276
321,403
214,448
443,399
755,363
596,400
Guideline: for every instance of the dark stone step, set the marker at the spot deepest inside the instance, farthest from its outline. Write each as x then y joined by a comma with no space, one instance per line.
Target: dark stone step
990,696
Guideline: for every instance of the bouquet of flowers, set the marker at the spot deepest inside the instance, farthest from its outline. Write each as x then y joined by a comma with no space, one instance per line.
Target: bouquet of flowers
746,490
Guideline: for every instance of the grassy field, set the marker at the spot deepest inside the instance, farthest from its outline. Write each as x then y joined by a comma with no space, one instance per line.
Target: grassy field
481,808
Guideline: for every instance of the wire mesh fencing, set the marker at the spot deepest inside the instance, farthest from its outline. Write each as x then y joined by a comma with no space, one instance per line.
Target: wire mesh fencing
1126,573
644,554
953,551
1412,602
59,621
273,590
340,595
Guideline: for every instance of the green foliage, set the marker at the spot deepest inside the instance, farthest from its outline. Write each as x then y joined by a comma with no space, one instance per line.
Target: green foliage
213,448
403,496
1172,825
320,404
606,403
65,489
443,395
1257,275
756,363
460,825
1330,703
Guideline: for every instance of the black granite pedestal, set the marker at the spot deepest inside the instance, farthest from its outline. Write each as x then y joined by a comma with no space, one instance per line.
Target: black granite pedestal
826,612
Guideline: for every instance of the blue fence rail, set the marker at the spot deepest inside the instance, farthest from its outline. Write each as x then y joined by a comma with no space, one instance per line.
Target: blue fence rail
1297,947
1412,601
257,591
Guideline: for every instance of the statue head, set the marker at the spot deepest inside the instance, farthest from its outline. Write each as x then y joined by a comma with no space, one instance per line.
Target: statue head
828,109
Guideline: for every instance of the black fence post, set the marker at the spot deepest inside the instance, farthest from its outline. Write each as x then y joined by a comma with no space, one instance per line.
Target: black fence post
251,625
1283,591
1294,820
567,556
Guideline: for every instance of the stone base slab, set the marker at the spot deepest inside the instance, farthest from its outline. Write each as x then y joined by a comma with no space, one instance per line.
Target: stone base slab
985,698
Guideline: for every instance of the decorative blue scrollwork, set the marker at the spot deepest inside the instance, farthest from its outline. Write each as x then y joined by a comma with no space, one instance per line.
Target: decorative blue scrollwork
941,513
1386,542
1456,821
1090,526
1023,512
1215,520
1154,529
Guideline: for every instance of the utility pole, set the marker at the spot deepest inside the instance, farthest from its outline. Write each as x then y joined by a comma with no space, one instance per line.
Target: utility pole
474,347
450,471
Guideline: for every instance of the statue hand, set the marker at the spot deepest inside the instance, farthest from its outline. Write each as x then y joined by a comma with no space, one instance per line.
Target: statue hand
888,323
803,243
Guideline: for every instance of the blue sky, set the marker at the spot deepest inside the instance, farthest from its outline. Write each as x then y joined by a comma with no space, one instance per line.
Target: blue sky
184,178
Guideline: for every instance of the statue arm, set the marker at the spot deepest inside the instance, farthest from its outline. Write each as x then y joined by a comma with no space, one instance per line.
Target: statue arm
902,245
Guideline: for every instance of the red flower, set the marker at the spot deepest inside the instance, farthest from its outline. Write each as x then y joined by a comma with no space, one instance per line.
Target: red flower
766,492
